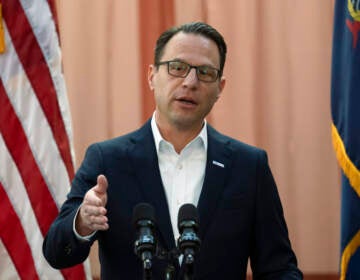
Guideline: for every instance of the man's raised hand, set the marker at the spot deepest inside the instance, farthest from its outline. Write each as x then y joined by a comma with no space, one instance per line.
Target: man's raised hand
92,214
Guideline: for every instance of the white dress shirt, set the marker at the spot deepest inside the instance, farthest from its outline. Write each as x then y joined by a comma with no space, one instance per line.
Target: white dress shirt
182,174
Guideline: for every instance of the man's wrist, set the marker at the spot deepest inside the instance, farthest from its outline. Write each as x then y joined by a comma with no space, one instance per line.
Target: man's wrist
78,236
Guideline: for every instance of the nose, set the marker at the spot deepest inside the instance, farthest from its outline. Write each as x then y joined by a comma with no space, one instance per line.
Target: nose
191,80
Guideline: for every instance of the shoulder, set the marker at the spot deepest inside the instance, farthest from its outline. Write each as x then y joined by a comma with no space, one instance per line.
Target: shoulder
119,143
236,147
141,133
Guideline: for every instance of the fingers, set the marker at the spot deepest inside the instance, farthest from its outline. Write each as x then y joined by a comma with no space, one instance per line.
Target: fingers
94,210
92,214
94,218
91,218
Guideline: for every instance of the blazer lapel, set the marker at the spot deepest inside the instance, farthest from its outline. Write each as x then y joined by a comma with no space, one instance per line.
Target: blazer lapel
143,157
217,168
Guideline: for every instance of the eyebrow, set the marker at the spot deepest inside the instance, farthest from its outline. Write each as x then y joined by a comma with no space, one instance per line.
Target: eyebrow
181,60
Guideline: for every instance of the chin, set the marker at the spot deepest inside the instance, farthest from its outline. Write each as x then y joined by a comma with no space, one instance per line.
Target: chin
186,123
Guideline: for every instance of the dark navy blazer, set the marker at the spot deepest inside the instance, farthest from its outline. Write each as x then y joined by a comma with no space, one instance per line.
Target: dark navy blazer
241,216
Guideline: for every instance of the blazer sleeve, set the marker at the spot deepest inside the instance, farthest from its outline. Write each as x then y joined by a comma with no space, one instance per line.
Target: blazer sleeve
61,247
272,256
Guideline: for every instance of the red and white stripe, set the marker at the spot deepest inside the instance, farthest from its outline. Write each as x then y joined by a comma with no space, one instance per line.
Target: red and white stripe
36,153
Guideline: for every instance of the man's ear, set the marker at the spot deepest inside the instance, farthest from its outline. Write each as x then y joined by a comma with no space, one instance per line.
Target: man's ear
151,72
221,86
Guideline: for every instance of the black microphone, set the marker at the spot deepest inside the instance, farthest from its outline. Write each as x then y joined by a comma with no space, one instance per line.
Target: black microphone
188,225
145,244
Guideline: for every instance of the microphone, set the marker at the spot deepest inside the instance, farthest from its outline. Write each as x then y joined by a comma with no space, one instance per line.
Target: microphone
188,225
145,245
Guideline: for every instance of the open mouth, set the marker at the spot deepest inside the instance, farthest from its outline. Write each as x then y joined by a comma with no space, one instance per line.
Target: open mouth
186,101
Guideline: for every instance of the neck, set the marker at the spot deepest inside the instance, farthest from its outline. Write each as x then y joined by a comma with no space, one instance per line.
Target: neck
178,137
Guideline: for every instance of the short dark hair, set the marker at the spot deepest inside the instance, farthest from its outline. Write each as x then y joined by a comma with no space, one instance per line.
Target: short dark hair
199,28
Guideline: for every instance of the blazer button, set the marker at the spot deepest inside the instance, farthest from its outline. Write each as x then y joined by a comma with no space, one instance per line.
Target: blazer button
67,249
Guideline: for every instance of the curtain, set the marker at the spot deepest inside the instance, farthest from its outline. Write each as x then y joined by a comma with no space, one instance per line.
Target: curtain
277,94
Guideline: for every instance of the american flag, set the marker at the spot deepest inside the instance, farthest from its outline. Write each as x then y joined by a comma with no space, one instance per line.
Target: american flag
36,153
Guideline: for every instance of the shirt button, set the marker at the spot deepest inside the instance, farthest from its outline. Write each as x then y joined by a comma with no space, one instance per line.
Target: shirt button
180,166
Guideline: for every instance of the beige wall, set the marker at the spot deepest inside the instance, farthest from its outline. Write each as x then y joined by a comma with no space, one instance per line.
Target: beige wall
277,95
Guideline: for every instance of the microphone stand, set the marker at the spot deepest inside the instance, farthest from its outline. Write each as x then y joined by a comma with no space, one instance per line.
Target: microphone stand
188,241
145,244
147,274
189,265
147,265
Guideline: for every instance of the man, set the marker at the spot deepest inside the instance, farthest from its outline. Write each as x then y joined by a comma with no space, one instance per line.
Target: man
177,158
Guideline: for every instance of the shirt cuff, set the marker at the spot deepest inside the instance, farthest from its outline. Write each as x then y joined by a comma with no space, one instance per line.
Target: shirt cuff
78,236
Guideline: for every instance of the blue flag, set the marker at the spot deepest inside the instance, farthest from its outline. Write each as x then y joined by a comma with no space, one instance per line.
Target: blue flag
345,107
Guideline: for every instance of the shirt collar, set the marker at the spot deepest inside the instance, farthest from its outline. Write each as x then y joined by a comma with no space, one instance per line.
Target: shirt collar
158,138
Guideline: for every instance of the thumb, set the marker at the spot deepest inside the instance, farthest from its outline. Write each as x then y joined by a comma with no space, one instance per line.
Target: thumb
102,185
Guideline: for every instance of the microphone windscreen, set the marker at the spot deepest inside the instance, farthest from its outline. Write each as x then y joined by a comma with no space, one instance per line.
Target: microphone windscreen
143,211
188,212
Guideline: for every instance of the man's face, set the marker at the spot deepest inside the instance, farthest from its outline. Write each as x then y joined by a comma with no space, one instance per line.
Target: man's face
184,102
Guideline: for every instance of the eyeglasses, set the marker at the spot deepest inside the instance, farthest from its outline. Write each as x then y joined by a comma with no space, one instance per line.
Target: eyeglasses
181,69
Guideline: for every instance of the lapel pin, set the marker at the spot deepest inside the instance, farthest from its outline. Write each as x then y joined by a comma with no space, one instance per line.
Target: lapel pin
218,163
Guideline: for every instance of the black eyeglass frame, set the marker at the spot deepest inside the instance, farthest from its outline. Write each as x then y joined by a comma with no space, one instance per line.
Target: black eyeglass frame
189,69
